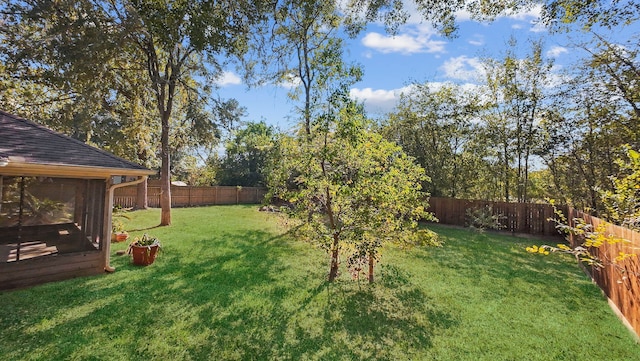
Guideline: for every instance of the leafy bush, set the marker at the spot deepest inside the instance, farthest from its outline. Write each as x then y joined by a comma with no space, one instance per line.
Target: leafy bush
480,219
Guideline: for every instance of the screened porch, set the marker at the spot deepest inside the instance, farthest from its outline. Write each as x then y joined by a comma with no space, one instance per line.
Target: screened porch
47,216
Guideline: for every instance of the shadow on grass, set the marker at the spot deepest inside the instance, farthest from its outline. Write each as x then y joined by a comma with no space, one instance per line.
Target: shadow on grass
244,295
147,228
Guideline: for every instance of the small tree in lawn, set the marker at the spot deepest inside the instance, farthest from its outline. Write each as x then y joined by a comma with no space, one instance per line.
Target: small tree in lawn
350,190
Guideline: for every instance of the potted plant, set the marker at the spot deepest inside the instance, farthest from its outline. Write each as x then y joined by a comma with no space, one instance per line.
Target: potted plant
118,234
144,250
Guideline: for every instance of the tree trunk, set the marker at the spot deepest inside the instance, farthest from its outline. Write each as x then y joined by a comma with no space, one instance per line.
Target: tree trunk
506,172
142,201
165,174
335,262
371,263
164,88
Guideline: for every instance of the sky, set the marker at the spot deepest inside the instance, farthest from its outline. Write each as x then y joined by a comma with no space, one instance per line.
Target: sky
417,53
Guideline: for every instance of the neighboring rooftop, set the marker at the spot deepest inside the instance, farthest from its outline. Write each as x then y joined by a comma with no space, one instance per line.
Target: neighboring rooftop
26,142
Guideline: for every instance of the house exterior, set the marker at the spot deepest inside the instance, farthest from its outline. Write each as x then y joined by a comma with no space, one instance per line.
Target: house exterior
56,198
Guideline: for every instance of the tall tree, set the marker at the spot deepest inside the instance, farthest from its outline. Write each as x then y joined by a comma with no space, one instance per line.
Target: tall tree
618,66
435,126
516,89
594,116
306,54
247,156
77,41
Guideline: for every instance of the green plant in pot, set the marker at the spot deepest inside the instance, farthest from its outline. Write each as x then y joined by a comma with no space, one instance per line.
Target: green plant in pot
118,234
144,250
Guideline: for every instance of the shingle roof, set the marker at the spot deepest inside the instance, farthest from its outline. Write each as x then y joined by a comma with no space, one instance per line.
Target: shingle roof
35,144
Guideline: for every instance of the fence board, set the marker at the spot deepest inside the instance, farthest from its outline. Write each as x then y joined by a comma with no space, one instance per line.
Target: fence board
620,281
516,217
192,196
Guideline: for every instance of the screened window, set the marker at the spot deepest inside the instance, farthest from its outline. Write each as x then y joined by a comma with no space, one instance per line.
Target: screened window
44,216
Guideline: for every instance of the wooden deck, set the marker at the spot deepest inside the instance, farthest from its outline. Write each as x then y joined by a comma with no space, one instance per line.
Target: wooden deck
42,241
28,250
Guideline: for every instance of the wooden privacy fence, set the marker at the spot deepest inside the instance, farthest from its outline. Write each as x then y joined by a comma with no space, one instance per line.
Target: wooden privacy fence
192,196
528,218
620,281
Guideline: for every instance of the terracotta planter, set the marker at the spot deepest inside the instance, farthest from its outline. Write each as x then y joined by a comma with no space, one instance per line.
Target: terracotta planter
144,255
119,237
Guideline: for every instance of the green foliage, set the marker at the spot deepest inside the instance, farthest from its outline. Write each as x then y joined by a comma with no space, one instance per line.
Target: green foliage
307,55
478,144
350,190
590,14
588,239
37,207
515,88
484,218
622,203
558,14
117,216
145,241
435,126
583,135
441,13
247,156
167,51
622,206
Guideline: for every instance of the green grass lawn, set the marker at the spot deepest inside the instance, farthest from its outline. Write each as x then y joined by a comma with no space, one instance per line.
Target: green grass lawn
231,285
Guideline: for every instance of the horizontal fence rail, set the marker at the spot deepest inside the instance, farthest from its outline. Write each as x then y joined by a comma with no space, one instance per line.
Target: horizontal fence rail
188,196
530,218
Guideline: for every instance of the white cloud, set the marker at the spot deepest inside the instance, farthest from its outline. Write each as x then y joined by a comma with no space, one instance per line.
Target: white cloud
413,39
557,77
524,15
538,27
463,15
531,16
289,82
228,78
477,40
378,101
533,13
382,101
556,51
463,68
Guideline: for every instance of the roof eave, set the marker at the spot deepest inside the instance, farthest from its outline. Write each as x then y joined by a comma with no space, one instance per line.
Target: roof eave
69,171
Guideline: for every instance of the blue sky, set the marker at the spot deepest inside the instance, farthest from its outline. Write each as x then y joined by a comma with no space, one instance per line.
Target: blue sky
418,53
